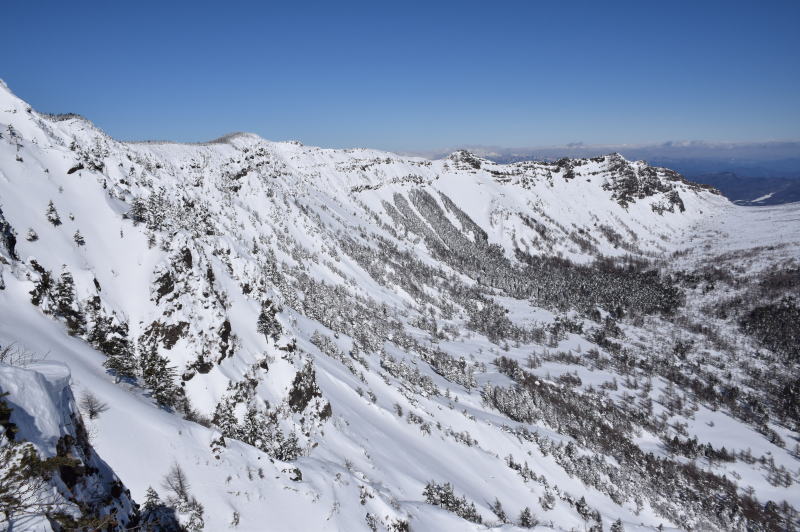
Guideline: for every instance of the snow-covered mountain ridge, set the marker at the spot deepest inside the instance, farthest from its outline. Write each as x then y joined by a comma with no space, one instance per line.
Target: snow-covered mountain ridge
337,339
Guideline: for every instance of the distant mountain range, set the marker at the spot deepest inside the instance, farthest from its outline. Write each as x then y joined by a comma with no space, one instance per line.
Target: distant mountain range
750,190
752,173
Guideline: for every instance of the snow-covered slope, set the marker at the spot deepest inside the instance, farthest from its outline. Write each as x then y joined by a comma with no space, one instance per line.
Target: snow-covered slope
351,331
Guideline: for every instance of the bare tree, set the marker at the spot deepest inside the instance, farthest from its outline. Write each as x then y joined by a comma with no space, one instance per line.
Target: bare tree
176,482
91,405
14,355
24,488
179,498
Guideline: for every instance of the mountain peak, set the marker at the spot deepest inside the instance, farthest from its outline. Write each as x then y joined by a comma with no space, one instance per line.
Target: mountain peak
228,138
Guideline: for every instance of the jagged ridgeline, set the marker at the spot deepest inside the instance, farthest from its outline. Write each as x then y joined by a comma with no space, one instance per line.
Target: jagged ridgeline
288,337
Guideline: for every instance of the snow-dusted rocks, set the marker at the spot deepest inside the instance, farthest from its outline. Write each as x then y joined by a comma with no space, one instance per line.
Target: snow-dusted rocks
52,478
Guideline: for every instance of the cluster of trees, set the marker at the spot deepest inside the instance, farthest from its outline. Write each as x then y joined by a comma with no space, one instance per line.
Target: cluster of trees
58,298
268,324
337,308
671,486
410,376
766,308
619,286
179,511
161,213
526,518
691,448
349,360
260,426
8,237
109,335
624,288
777,326
444,496
456,370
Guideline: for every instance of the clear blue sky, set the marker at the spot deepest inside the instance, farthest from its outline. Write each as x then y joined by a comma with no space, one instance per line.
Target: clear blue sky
413,76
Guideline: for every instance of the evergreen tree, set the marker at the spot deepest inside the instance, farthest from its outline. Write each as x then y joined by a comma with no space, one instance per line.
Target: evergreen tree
123,364
158,209
304,388
158,377
78,238
115,341
156,515
42,293
253,427
617,526
526,519
583,509
52,214
287,448
111,338
444,496
66,306
497,508
138,211
267,323
195,521
225,419
151,499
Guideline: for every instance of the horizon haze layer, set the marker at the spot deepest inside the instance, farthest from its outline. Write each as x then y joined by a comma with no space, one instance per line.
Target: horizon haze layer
340,75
